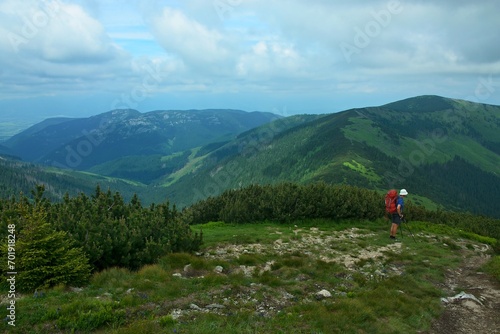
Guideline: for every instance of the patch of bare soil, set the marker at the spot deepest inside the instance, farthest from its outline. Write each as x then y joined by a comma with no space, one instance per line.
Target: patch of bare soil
475,308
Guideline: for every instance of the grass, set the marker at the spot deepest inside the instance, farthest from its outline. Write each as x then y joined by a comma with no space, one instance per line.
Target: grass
190,166
472,151
493,267
363,170
271,274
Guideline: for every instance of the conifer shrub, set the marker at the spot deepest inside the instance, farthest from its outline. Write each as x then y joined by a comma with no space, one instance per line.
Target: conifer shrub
102,229
115,233
287,202
44,257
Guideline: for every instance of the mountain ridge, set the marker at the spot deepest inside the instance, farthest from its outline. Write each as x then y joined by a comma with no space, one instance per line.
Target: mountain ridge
83,143
373,147
427,144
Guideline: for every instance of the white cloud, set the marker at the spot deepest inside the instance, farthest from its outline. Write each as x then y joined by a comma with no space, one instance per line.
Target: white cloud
426,34
195,43
54,31
52,47
268,59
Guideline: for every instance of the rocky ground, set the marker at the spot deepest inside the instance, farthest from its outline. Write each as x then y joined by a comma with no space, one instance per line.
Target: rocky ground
472,305
314,243
476,309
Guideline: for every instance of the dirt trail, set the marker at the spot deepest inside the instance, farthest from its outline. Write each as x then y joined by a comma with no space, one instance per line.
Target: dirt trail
479,311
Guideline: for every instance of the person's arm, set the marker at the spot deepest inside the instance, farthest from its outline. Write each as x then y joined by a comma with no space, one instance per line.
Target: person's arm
399,210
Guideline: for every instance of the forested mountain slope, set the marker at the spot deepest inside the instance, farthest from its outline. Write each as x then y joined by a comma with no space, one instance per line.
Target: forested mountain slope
441,149
82,143
21,177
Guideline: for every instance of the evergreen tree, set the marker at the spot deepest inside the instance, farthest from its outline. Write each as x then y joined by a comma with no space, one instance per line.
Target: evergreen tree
45,257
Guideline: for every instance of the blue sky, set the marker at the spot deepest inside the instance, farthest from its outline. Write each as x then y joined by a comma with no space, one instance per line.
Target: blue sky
81,58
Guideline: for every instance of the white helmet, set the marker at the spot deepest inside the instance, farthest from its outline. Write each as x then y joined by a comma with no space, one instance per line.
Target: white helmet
403,192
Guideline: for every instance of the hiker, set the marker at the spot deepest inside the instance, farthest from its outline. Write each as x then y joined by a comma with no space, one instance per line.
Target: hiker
397,217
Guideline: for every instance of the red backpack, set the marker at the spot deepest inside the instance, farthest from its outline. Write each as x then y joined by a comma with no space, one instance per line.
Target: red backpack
391,200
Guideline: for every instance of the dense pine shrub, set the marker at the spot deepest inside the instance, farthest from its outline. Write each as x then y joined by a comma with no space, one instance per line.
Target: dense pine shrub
114,233
287,202
60,243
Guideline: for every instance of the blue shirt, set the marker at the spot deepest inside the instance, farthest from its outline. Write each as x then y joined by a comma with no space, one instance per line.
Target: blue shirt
400,202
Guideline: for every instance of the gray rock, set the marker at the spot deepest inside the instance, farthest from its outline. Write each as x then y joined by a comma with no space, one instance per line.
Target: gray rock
195,307
323,294
215,306
461,295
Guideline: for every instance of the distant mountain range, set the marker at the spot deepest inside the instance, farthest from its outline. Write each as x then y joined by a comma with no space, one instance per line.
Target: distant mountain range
86,142
444,151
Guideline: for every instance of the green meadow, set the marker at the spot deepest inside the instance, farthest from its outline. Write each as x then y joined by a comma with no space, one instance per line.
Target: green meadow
309,276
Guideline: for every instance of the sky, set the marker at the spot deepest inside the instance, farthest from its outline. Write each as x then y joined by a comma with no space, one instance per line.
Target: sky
79,58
